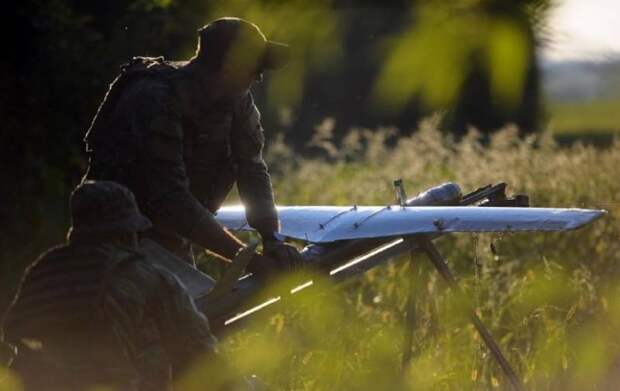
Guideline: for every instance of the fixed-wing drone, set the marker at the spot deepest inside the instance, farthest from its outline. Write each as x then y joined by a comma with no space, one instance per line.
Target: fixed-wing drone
344,241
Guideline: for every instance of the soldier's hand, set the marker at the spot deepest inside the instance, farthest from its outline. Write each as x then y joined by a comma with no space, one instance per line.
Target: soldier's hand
286,255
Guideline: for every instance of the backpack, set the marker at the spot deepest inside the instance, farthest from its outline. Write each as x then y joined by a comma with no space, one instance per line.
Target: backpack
137,68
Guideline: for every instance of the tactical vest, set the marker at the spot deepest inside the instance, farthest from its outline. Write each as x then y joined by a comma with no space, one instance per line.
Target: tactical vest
114,148
57,320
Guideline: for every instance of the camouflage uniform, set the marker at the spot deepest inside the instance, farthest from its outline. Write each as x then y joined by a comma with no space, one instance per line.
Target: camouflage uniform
157,133
95,313
179,143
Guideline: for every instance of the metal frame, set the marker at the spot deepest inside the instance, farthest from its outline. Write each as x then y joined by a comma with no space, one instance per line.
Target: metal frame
415,245
428,248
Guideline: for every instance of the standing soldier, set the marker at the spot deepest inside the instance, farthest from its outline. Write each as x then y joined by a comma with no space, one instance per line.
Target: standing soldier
96,312
179,135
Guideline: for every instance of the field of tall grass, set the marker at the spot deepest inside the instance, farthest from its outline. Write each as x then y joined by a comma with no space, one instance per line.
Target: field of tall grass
551,300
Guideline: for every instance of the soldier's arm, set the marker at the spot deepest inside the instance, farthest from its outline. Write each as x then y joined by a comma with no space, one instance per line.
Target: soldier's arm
185,331
156,322
126,305
253,178
169,202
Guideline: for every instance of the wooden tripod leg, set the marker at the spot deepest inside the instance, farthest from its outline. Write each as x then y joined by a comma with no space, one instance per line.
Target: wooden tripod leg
442,267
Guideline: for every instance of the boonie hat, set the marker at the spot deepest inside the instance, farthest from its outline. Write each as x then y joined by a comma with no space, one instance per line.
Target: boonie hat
105,207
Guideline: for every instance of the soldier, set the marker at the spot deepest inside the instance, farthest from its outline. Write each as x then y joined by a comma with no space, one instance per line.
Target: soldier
96,312
179,135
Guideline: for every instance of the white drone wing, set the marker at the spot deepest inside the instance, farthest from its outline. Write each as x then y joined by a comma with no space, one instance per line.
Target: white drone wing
320,224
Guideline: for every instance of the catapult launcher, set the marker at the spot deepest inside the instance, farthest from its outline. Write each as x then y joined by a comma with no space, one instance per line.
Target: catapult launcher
343,242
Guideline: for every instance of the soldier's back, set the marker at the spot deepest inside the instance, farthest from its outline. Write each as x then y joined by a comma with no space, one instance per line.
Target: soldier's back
64,340
116,136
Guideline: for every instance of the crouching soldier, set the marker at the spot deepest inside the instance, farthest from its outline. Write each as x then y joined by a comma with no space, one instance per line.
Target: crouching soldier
95,312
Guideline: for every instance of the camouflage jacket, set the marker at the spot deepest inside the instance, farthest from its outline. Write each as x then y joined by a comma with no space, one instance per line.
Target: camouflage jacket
179,152
100,315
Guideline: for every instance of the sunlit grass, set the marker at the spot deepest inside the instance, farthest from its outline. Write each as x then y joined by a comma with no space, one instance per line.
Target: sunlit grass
549,299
